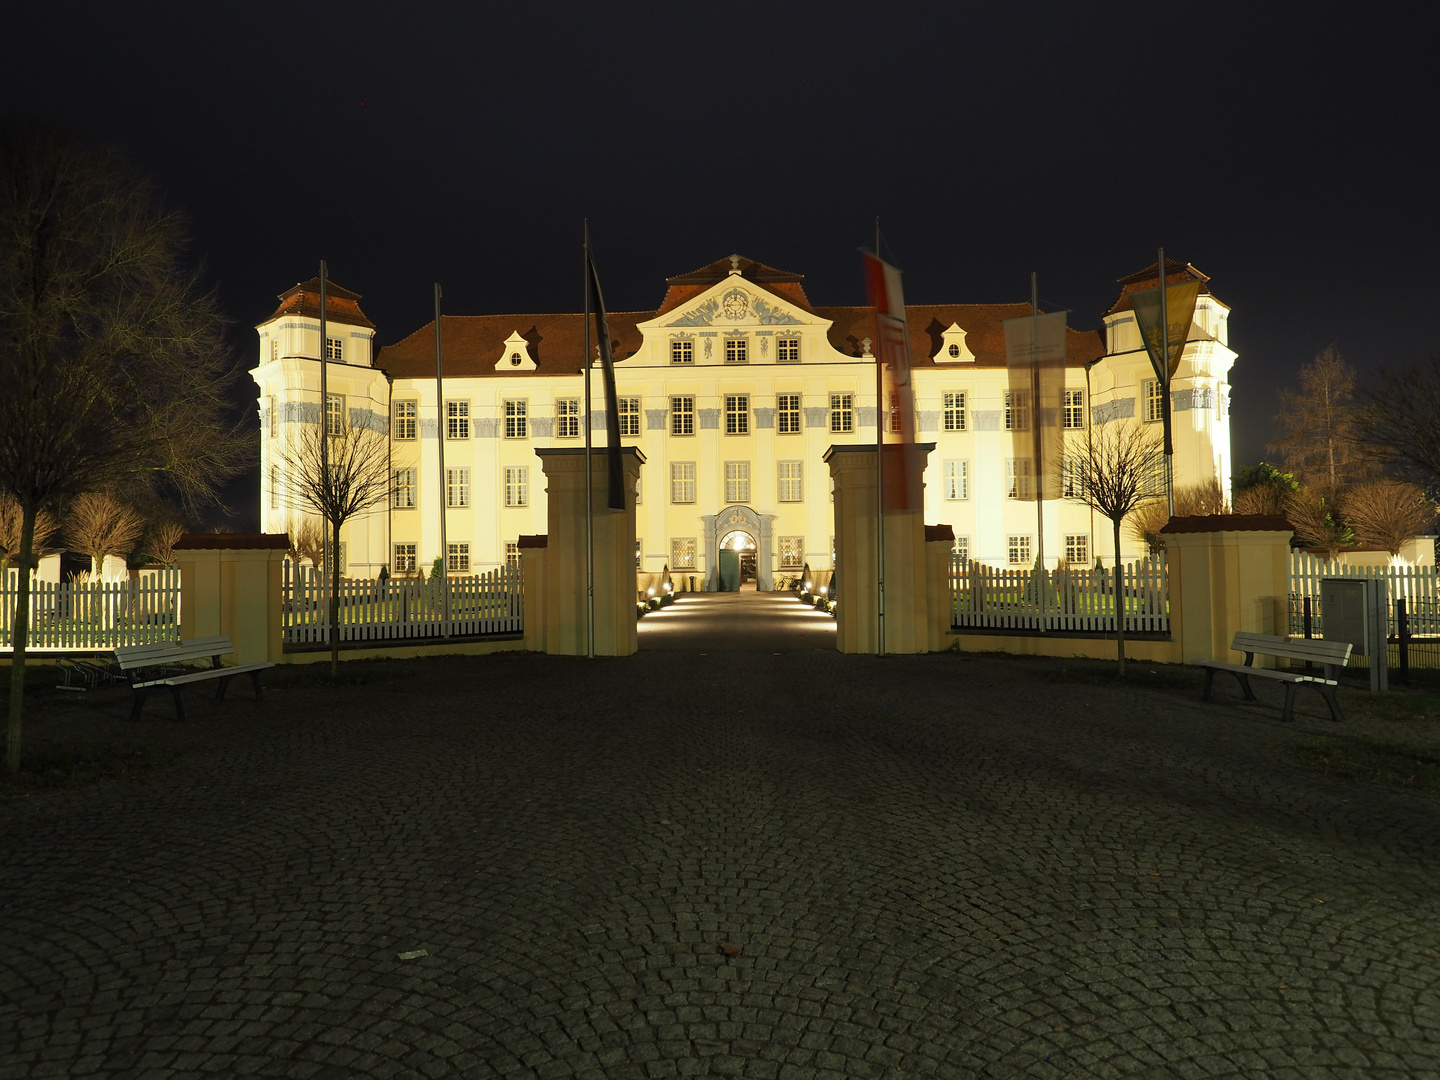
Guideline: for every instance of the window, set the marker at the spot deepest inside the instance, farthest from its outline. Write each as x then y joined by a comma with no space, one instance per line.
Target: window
457,487
682,352
1154,400
457,558
737,350
512,556
682,416
737,481
787,414
457,419
405,424
682,481
961,550
274,487
1077,549
567,418
638,557
787,350
954,351
1152,484
274,348
402,493
737,414
639,489
628,410
792,481
954,412
1017,410
272,416
957,479
1017,550
1017,478
335,414
517,424
1072,409
1072,477
792,552
682,553
404,558
517,485
842,412
334,349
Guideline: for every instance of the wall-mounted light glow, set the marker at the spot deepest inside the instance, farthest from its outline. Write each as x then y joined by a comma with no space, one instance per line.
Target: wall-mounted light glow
652,590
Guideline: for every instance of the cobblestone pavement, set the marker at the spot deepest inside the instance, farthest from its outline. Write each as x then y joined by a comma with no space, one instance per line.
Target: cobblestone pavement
789,866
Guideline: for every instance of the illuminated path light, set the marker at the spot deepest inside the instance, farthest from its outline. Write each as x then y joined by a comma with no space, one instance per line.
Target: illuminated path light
737,622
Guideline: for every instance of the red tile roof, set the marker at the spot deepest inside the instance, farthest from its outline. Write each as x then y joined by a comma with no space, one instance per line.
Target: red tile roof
473,344
1206,523
783,283
341,305
1141,280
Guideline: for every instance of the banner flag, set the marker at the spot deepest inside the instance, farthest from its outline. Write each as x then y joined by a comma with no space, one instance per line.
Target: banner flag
903,484
1035,339
1179,313
616,499
1035,353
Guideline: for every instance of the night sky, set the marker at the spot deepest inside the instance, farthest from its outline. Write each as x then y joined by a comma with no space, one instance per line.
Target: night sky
1287,151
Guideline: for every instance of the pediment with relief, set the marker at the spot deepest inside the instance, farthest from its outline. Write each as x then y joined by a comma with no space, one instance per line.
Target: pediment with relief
736,303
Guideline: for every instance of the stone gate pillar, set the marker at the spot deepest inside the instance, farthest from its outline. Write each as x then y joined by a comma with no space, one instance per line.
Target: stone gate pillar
907,603
565,594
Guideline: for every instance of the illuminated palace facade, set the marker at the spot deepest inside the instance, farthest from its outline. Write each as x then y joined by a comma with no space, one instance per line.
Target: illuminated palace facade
733,389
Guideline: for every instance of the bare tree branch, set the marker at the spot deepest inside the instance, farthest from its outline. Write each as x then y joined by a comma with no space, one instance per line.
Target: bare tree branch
1388,513
1400,421
1317,525
1321,444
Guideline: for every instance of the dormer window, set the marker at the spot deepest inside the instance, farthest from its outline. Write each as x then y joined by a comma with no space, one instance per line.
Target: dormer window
514,359
954,350
516,355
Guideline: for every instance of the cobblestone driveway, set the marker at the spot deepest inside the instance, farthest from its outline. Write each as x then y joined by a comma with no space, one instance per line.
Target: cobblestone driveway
747,864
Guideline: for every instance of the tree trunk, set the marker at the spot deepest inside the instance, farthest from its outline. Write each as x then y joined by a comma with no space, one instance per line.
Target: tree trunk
334,556
19,635
1119,592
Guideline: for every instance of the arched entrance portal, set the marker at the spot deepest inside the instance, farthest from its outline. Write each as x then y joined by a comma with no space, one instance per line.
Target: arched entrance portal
746,522
737,551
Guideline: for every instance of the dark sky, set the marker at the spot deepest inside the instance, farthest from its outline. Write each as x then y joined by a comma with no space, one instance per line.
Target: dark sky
1286,150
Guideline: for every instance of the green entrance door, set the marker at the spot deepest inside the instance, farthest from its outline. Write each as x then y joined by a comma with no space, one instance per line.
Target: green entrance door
729,570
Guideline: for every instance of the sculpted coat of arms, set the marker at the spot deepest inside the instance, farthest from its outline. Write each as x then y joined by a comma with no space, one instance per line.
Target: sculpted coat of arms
736,304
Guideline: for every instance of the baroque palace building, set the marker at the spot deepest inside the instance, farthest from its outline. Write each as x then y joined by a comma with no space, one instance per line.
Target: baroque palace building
733,389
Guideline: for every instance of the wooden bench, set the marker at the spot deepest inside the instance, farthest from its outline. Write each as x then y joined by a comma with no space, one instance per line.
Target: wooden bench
149,666
1331,655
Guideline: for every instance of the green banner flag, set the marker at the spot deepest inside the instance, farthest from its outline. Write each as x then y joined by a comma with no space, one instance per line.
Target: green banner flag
1179,313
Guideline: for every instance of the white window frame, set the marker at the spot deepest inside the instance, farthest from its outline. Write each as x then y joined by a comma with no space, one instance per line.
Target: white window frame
956,479
788,409
737,350
639,559
1019,550
627,409
792,553
272,416
1017,410
335,350
512,556
457,419
737,414
1152,397
682,481
1072,478
682,415
517,486
960,549
787,349
1019,478
457,487
953,411
403,558
682,351
274,487
1077,549
842,413
335,415
517,418
892,415
274,348
1072,409
457,557
406,420
790,488
403,489
737,482
567,418
682,553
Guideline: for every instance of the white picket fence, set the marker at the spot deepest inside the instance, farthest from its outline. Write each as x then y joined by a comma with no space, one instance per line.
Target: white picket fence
1419,585
372,609
67,616
1068,599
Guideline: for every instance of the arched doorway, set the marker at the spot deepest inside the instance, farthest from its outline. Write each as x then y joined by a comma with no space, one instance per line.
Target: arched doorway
755,526
736,554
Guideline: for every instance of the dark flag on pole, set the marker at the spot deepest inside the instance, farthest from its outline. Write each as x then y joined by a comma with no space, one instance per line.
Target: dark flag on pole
616,500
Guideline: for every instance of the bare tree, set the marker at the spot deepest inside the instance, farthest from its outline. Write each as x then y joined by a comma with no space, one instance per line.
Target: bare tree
11,522
1387,513
1400,421
161,539
1316,522
100,525
1321,444
114,366
358,480
1114,471
305,543
1154,514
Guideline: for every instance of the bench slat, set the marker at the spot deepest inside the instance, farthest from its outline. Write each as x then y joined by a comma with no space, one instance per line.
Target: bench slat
1316,649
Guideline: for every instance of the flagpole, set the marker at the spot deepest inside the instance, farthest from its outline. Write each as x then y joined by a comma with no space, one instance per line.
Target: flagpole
1165,389
589,480
443,486
880,417
326,570
1036,442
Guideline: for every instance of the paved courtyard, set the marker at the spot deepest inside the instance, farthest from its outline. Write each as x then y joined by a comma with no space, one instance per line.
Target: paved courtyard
758,862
